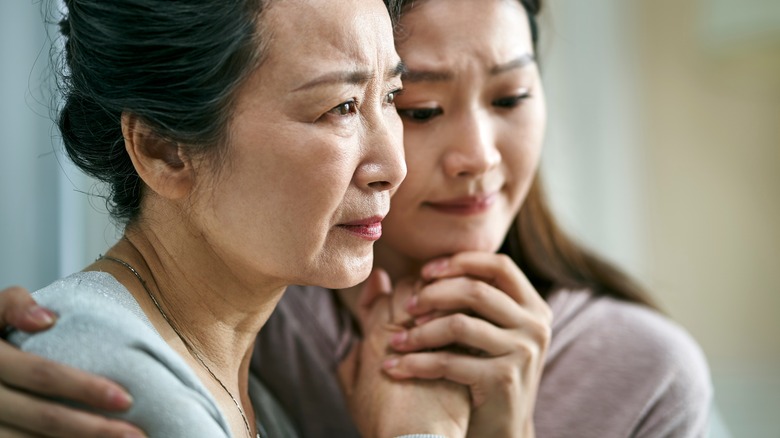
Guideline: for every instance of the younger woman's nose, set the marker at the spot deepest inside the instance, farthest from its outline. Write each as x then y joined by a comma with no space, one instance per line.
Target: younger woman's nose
472,148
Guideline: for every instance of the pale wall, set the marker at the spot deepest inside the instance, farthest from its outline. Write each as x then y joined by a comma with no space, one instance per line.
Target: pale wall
664,154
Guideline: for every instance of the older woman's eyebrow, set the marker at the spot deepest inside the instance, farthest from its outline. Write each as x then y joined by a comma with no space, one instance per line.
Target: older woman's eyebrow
338,77
356,77
399,70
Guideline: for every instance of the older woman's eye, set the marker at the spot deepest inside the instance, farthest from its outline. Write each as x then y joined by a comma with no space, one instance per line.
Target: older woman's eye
390,98
511,101
419,115
344,109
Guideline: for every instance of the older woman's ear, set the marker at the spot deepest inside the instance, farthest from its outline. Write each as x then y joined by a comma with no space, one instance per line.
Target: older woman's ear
160,162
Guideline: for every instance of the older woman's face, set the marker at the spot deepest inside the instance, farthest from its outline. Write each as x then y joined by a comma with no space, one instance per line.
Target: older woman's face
474,118
314,148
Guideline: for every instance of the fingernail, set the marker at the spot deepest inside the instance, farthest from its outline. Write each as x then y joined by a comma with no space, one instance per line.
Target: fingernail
390,363
436,267
40,316
133,435
119,398
411,303
399,338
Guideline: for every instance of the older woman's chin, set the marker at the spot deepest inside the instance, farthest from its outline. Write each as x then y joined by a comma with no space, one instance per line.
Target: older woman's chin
343,273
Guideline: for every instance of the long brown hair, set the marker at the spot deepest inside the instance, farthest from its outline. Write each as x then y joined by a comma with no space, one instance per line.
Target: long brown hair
550,258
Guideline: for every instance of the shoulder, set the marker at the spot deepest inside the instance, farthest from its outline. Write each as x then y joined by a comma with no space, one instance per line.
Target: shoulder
88,295
604,325
629,359
102,330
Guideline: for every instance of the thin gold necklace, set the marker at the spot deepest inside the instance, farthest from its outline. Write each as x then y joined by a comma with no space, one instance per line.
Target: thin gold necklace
184,340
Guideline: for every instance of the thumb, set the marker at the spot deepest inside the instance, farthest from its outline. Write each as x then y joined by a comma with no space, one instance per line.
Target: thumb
377,285
18,309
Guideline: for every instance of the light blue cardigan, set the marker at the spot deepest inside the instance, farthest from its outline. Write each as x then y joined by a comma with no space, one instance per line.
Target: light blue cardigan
101,329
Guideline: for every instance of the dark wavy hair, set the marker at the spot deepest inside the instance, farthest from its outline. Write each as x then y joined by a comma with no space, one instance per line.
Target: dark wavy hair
174,64
549,257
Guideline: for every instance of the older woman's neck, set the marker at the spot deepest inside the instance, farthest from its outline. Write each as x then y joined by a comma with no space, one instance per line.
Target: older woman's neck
201,300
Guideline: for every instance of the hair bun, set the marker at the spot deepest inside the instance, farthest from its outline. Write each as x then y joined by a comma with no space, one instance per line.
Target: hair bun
65,27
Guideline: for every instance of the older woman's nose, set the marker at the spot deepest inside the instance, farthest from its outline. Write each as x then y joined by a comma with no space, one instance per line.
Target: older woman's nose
471,147
384,166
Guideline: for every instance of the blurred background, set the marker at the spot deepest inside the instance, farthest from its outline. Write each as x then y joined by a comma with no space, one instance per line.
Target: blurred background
663,153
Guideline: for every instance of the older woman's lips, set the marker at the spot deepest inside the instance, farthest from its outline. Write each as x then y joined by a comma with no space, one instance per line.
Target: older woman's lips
368,228
466,205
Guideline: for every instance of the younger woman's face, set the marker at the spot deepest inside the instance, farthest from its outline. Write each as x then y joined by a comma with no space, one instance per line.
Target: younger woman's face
473,112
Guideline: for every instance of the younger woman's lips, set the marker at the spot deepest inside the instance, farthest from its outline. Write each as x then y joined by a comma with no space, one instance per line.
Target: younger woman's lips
466,205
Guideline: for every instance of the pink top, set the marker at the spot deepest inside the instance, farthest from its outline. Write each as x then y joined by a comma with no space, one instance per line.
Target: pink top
614,369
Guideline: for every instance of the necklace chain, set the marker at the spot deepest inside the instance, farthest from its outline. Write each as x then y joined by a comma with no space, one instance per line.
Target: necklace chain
184,340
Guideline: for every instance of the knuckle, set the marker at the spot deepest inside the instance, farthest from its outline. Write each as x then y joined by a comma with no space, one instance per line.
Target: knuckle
477,291
458,325
539,330
528,350
506,262
546,313
52,419
443,362
41,375
507,376
414,338
108,429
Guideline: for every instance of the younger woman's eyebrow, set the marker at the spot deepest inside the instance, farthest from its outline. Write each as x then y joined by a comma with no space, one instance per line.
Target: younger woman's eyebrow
426,76
521,61
414,75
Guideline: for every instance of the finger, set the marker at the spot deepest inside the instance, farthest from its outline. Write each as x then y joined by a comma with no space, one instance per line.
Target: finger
482,376
403,290
18,309
42,418
40,376
465,293
496,269
458,368
377,285
460,329
12,433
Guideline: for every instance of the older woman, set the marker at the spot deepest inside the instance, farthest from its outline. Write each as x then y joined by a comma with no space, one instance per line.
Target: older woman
243,155
608,365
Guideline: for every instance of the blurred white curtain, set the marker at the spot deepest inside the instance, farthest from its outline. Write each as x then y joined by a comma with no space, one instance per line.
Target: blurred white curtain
592,162
47,226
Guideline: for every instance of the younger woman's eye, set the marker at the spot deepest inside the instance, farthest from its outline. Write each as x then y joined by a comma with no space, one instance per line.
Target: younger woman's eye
419,115
390,98
344,109
511,101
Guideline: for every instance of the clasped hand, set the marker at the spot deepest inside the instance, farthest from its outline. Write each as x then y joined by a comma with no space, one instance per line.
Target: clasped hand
473,320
